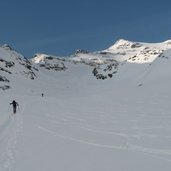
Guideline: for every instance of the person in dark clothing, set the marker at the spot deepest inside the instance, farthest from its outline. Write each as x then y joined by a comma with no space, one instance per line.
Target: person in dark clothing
14,104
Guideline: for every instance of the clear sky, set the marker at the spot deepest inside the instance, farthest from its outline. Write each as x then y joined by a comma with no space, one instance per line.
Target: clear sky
59,27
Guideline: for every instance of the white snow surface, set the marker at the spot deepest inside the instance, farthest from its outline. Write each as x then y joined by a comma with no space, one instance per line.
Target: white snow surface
124,50
85,124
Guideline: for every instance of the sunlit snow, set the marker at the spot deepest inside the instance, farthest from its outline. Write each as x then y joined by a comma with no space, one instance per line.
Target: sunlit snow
82,123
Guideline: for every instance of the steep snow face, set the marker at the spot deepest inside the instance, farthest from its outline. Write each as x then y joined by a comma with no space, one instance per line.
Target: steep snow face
138,52
13,63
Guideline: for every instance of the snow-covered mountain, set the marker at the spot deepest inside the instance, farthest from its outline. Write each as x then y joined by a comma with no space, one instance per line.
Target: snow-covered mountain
127,51
101,111
105,64
102,64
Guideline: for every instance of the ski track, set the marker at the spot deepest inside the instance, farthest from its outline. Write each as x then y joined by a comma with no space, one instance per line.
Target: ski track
127,146
83,124
11,131
91,128
129,130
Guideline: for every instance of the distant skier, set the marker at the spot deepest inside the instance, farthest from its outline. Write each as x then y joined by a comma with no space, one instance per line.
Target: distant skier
42,94
14,104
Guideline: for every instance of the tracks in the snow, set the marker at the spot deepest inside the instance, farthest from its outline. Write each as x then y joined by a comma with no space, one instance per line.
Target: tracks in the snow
11,130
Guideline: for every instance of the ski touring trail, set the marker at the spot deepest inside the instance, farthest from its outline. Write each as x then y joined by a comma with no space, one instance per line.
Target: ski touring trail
10,133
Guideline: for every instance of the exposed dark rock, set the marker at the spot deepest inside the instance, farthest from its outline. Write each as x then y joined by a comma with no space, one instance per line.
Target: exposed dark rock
95,72
60,66
136,45
4,79
5,87
9,64
29,74
100,76
2,69
105,71
81,51
110,75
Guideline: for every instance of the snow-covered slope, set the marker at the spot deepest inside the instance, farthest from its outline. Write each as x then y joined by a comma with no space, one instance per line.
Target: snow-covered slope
123,50
12,66
105,64
119,122
49,62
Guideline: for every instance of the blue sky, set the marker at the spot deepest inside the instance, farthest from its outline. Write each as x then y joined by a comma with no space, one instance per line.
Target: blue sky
59,27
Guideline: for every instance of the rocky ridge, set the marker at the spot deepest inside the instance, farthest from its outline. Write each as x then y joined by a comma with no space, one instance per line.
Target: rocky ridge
104,64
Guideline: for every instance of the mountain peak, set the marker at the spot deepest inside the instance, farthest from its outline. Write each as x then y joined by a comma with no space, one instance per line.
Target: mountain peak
123,44
7,47
39,58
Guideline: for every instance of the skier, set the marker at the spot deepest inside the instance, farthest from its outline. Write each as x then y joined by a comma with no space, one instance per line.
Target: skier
42,94
14,104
